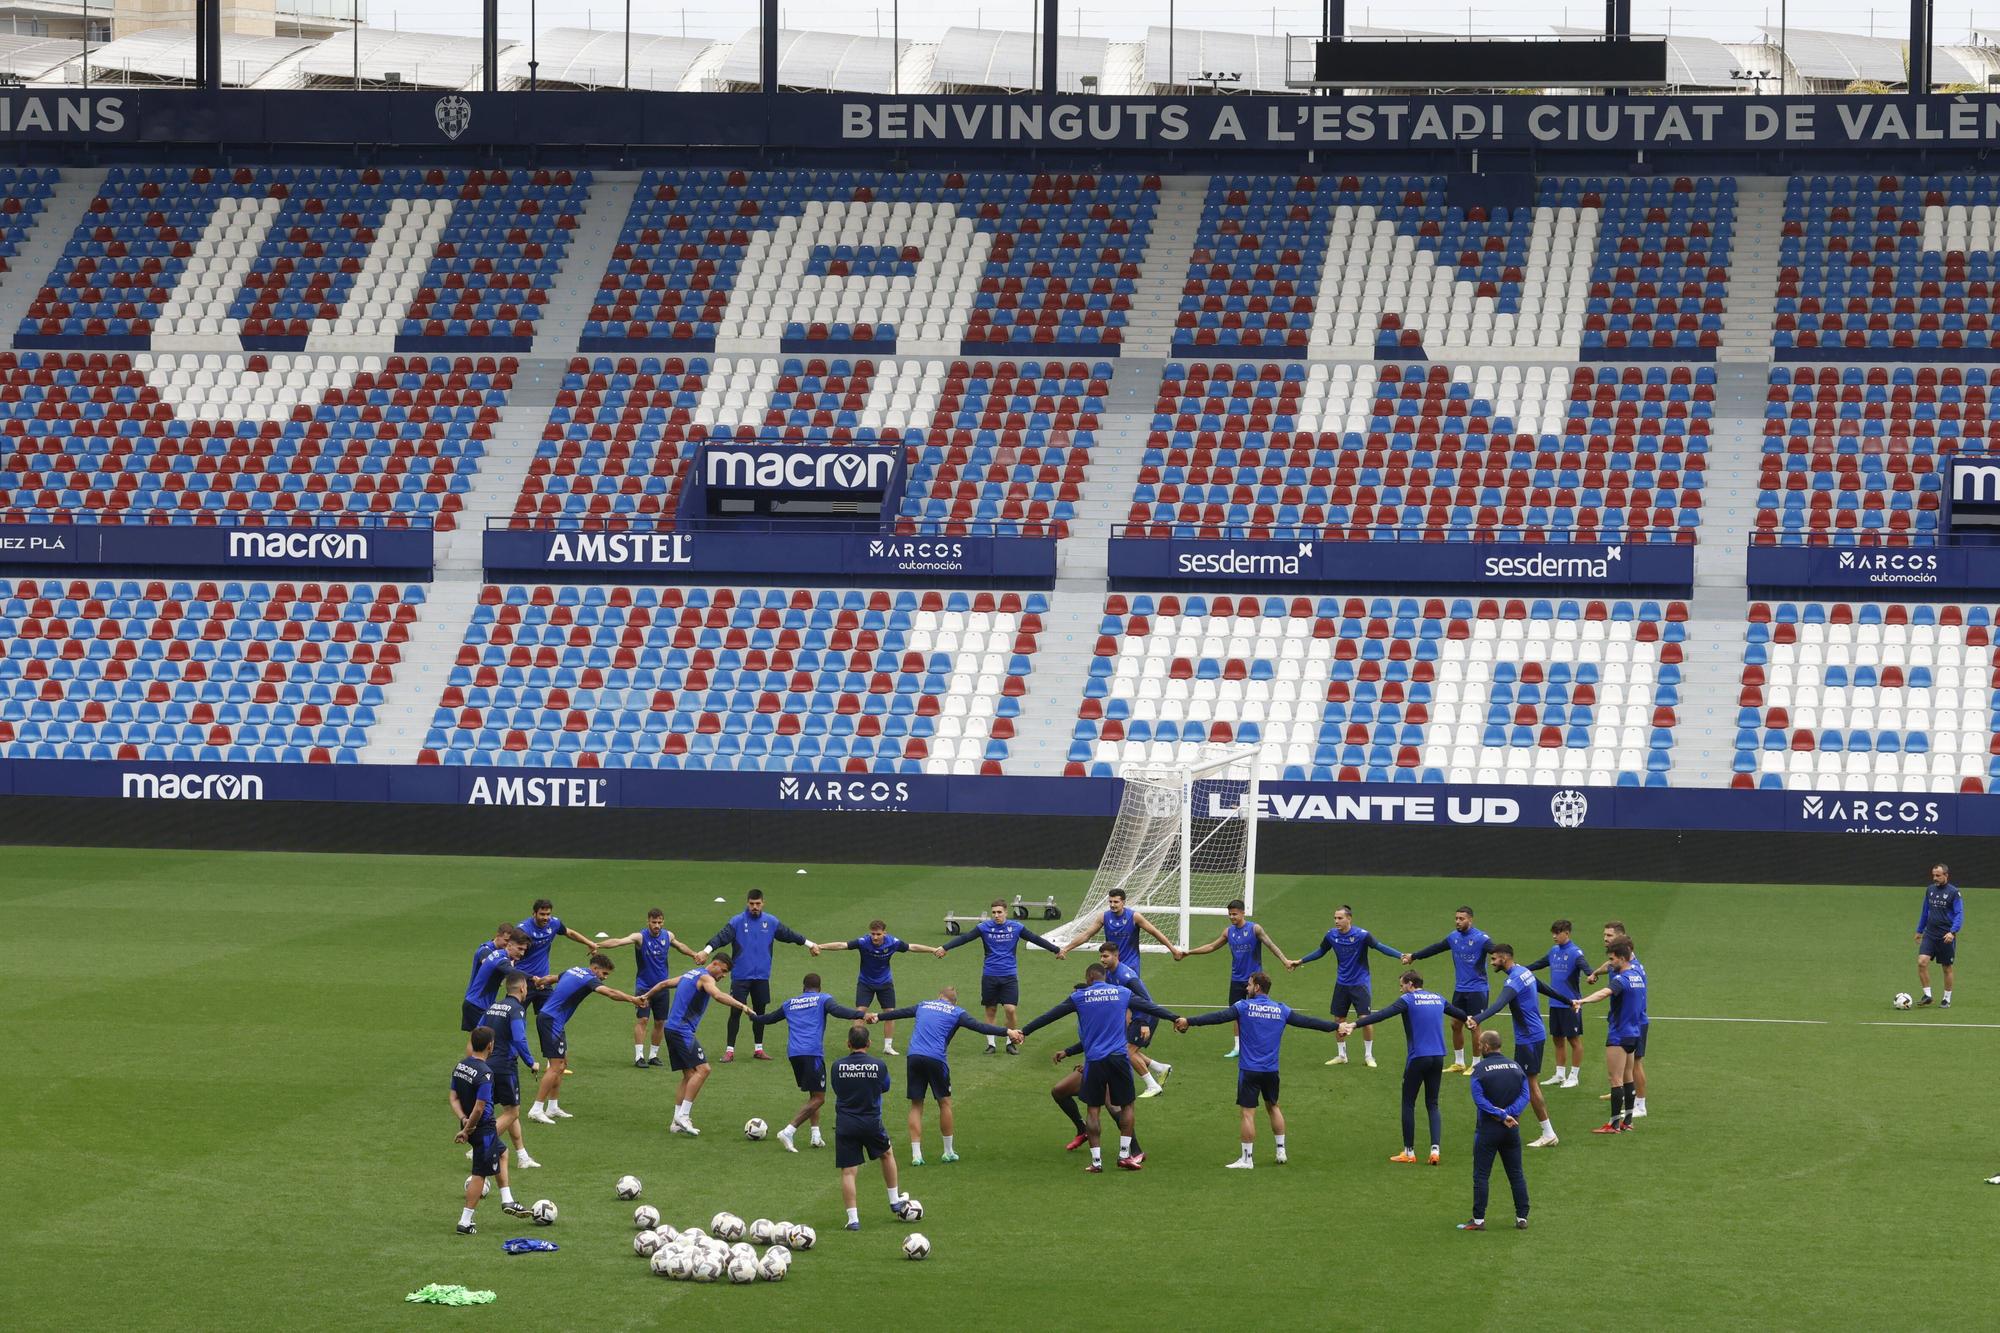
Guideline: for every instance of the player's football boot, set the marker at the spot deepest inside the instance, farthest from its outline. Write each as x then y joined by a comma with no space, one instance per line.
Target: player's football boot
1404,1158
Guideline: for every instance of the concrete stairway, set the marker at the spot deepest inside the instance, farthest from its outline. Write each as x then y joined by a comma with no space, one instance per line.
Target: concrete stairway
1711,677
1729,488
1149,329
590,247
1062,665
410,701
29,270
508,454
1114,466
1753,269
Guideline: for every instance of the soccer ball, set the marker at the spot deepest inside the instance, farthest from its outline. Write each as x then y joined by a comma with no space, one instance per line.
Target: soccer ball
740,1250
646,1217
755,1129
763,1231
705,1268
780,1251
1903,1000
646,1243
628,1187
695,1234
666,1234
912,1209
680,1264
777,1261
661,1261
544,1213
804,1237
726,1226
916,1246
742,1268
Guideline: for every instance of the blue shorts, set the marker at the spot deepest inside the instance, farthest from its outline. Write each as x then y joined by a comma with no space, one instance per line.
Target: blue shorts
486,1153
507,1082
660,1006
1350,999
1139,1030
1252,1084
1565,1022
1238,990
1472,1001
852,1146
1645,1029
1938,950
925,1075
999,990
1528,1055
864,992
809,1072
684,1053
554,1042
1107,1082
470,1015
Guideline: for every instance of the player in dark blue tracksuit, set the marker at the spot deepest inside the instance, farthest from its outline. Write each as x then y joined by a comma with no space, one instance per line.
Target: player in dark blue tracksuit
1101,1016
1468,945
1566,965
1938,923
1349,944
1500,1092
1423,1016
751,933
472,1106
805,1046
859,1080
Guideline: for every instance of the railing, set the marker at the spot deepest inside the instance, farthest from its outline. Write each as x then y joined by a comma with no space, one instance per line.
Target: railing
1231,532
208,518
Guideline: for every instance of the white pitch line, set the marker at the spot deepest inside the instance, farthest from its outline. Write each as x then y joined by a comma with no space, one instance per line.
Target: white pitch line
1796,1022
1873,1024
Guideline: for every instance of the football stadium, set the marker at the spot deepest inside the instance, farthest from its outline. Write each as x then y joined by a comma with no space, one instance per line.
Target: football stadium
1011,668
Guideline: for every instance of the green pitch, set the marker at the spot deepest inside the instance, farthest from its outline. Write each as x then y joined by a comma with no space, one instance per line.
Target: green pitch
226,1109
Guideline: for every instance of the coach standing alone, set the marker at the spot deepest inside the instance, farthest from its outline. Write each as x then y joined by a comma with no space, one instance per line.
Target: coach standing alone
1500,1092
1943,916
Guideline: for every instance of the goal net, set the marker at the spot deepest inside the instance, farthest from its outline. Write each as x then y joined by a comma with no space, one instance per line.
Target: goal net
1183,846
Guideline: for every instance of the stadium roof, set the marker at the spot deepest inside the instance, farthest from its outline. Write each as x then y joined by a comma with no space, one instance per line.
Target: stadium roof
424,59
168,55
834,61
1260,60
984,58
595,58
1844,57
31,57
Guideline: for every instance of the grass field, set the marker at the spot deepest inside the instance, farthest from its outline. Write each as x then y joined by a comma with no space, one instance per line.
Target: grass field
226,1111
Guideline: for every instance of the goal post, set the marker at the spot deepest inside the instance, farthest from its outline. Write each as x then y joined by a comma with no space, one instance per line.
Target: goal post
1184,844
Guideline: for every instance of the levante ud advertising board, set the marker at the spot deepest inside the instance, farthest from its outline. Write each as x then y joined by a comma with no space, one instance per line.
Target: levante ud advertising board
1427,805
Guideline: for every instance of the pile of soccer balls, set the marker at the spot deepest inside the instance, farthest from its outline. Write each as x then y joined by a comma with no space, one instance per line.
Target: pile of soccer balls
695,1255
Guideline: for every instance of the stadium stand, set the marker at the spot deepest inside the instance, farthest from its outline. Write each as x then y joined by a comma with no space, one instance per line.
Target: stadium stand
24,197
1853,455
228,672
1000,446
1426,451
1888,267
739,679
285,258
1357,265
866,261
260,438
1869,697
1389,689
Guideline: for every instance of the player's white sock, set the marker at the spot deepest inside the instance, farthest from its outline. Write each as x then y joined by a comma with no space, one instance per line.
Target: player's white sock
992,1044
465,1217
1549,1128
1341,1047
1166,1068
1927,990
652,1052
1246,1152
537,1109
1947,997
1096,1156
853,1215
1124,1145
1639,1105
682,1110
506,1194
1151,1082
1281,1142
947,1145
889,1046
817,1140
639,1051
1368,1048
760,1045
894,1196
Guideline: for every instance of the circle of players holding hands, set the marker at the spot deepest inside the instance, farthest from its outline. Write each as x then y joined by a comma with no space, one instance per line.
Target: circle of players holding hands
513,986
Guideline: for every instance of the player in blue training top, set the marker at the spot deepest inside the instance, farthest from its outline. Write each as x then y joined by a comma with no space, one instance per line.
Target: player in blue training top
551,1024
1423,1017
1101,1014
1246,940
929,1071
654,947
1000,974
1623,1032
1500,1089
1349,944
469,1011
874,983
472,1106
1938,922
1260,1029
542,926
1138,1029
692,989
859,1080
507,1019
1565,961
1468,945
751,933
1121,926
486,975
805,1046
1636,1071
1517,996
